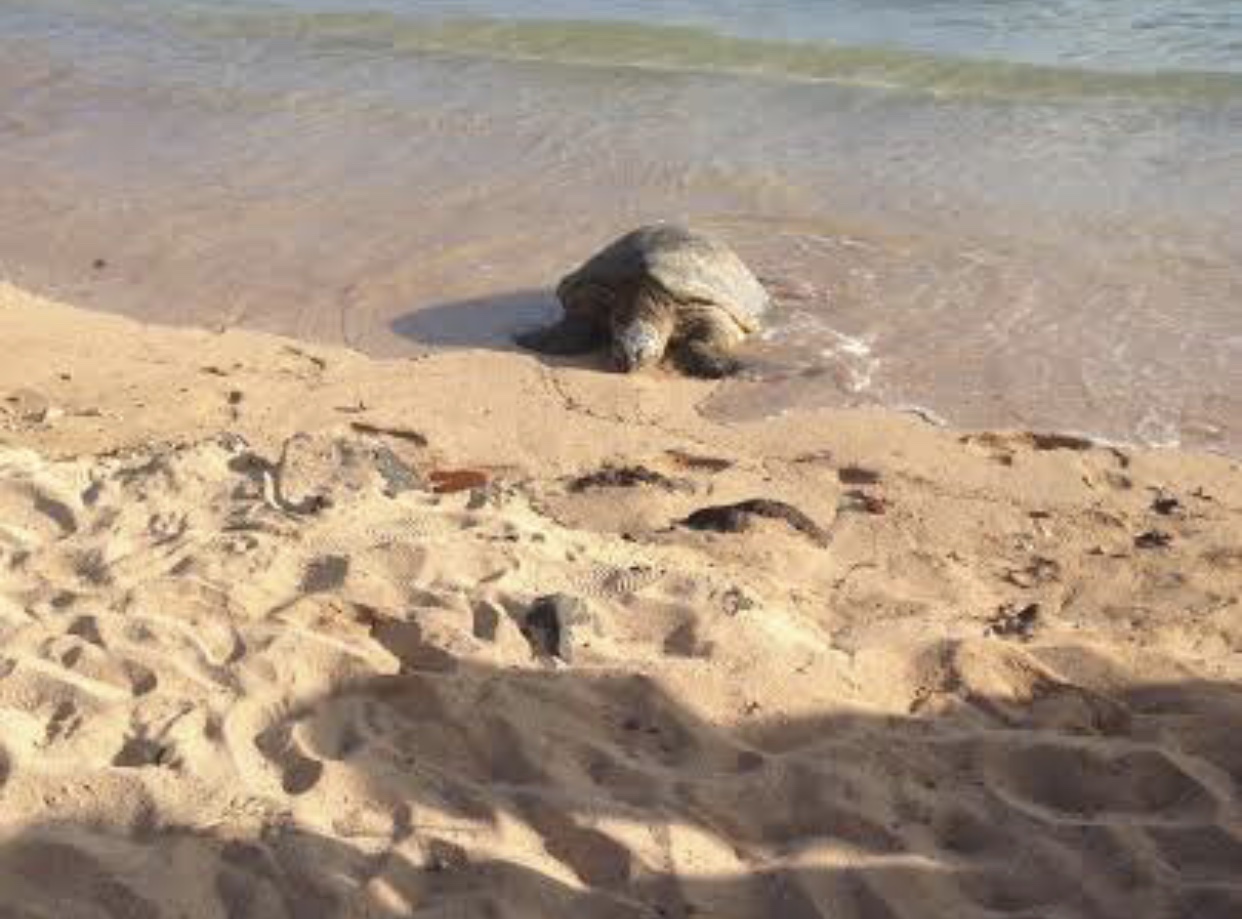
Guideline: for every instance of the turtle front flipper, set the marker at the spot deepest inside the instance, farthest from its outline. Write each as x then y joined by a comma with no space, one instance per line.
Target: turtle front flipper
708,354
574,334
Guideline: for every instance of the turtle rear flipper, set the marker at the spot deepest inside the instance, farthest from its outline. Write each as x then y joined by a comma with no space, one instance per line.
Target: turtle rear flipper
708,357
572,335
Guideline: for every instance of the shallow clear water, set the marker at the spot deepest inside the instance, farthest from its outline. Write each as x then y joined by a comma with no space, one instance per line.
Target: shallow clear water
1003,211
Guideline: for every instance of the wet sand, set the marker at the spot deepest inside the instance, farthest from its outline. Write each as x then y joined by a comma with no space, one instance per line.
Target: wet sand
272,644
1002,243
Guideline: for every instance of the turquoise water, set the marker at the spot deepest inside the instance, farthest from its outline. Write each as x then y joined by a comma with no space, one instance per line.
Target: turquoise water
1138,35
1002,211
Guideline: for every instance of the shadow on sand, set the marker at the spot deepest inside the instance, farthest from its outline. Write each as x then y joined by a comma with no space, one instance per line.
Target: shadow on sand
486,322
490,323
980,810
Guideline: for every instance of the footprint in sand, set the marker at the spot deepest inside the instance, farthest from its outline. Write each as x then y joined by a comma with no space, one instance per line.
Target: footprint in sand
62,701
299,773
1209,903
685,641
140,751
187,611
32,514
323,574
48,873
404,640
613,582
485,620
596,858
87,666
608,571
1096,783
343,537
1207,854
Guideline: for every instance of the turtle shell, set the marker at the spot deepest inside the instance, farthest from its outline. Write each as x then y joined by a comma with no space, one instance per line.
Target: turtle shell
691,267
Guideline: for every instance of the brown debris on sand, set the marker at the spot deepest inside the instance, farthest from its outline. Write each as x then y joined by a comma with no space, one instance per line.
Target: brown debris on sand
448,481
1153,539
863,502
398,433
626,477
857,475
736,518
1015,622
694,461
1166,505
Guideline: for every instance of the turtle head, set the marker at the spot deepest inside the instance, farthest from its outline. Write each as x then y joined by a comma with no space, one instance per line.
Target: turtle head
637,344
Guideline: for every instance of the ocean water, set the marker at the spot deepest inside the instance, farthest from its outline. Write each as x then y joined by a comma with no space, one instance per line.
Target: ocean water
1001,212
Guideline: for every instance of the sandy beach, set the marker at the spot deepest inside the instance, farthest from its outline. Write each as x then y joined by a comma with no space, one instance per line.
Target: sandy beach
288,631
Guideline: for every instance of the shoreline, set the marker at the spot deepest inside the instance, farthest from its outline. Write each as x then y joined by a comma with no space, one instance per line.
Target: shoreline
272,643
677,397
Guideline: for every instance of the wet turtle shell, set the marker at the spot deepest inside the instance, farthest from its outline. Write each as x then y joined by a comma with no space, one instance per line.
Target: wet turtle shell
695,270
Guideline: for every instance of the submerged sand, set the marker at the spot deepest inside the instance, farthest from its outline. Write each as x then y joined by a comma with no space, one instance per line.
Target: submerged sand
262,649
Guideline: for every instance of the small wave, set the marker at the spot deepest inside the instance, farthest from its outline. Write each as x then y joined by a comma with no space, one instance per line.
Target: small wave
694,49
856,363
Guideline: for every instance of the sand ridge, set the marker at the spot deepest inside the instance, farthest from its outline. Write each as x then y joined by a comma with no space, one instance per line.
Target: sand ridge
256,660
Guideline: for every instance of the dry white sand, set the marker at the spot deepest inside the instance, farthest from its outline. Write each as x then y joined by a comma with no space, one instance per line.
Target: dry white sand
259,658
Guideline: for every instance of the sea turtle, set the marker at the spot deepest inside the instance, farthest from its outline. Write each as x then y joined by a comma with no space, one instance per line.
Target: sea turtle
660,288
